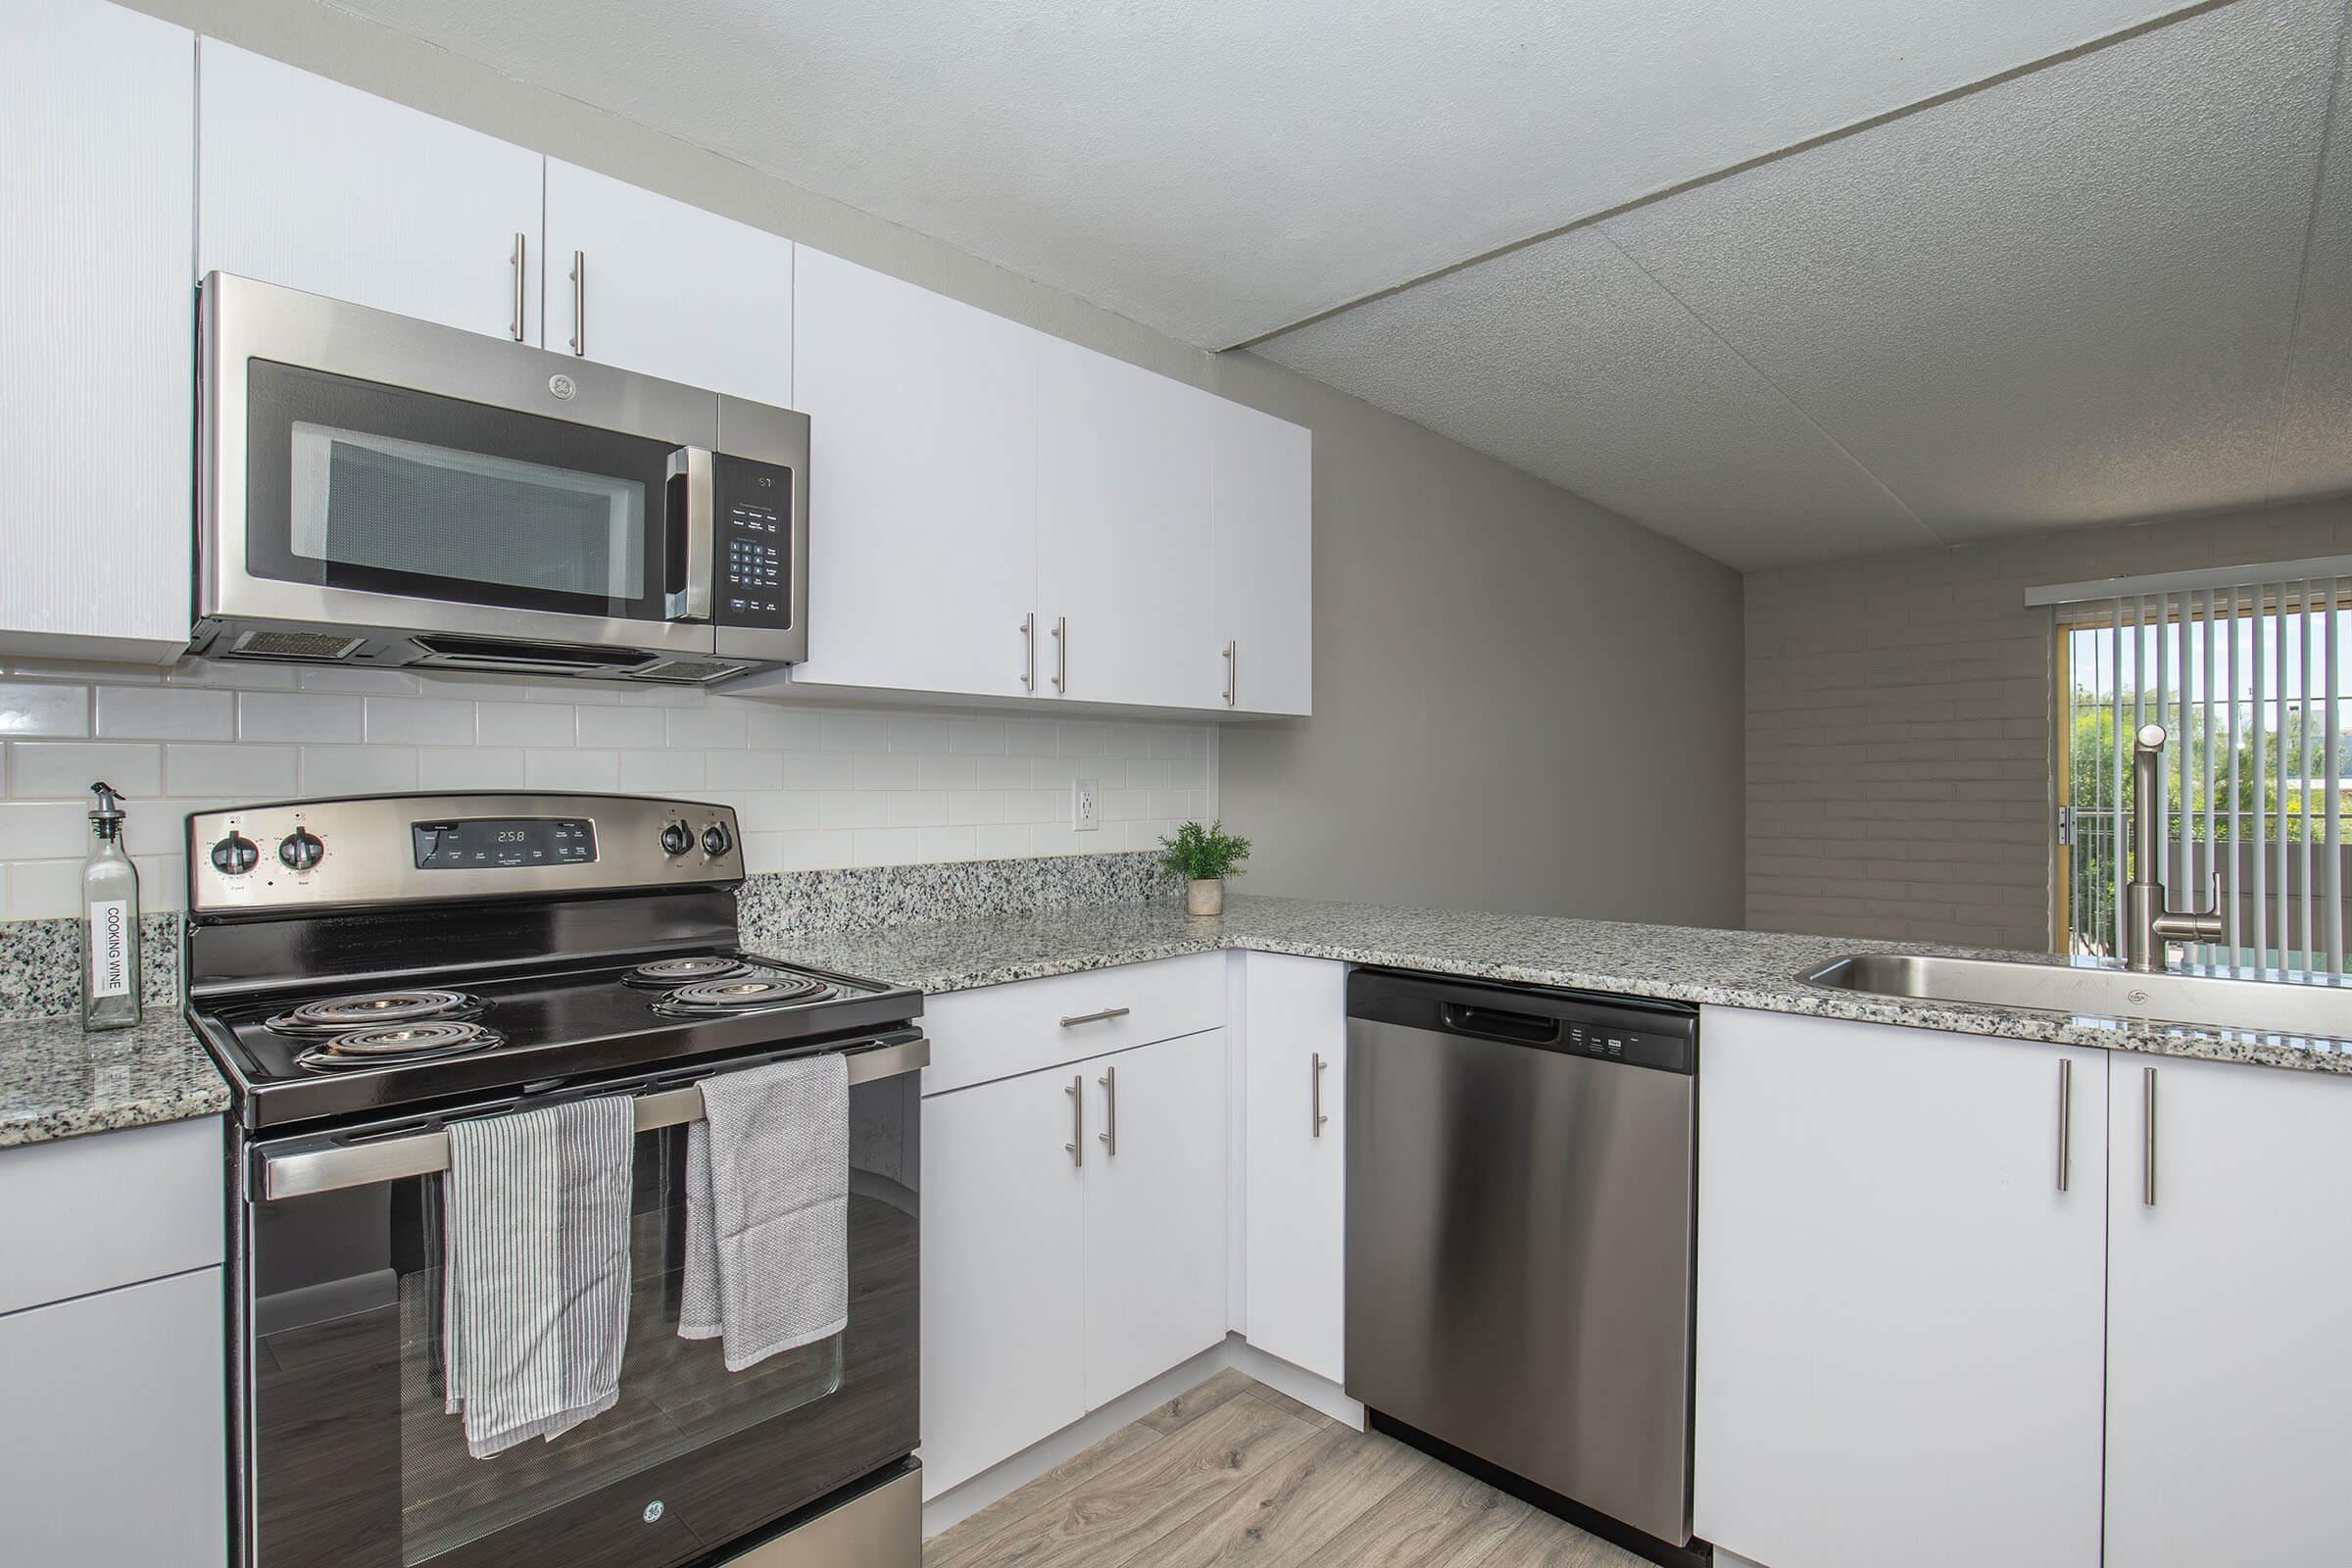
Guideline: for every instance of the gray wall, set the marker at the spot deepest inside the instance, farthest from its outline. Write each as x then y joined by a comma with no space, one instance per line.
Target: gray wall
1899,722
1523,702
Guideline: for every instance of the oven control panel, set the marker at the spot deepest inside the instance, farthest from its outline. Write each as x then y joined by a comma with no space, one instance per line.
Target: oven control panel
385,849
754,544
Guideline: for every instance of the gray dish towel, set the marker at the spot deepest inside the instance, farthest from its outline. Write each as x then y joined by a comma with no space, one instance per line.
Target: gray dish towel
767,1209
536,1278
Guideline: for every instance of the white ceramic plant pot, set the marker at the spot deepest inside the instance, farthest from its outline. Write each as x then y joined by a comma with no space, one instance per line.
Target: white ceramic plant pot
1204,895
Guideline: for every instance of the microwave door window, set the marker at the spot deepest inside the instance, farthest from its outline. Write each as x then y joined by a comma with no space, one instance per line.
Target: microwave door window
378,502
382,489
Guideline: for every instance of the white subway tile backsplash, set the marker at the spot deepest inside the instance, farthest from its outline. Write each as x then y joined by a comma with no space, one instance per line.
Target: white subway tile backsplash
166,713
419,722
234,772
814,788
626,727
525,724
298,717
578,769
358,769
65,769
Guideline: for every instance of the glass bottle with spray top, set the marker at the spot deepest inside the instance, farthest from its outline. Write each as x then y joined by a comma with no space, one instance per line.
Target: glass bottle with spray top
110,923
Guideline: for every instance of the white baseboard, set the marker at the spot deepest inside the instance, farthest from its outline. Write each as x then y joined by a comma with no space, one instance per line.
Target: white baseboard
959,1503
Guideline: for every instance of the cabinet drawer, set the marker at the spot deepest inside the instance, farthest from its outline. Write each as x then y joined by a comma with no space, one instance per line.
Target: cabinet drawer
998,1031
84,1214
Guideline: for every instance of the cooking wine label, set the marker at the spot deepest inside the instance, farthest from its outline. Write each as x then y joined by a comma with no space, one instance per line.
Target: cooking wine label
109,947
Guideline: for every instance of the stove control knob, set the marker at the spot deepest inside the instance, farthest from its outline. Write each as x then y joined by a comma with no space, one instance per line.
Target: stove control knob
236,854
301,850
716,841
677,839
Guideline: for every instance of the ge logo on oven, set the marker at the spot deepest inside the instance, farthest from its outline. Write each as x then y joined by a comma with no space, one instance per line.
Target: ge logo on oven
563,386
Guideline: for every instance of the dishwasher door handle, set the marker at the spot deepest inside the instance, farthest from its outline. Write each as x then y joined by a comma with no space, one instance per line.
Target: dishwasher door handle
1528,1028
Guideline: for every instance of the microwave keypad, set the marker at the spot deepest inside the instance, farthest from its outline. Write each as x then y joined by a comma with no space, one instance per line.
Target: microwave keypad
754,568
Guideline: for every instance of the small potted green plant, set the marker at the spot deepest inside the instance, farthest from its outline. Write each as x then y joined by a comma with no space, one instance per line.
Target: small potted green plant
1204,857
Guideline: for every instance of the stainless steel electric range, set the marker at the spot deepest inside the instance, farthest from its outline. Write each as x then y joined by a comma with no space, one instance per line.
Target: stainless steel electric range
367,971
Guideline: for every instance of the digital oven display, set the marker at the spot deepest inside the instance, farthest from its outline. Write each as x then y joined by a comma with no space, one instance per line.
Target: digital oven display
487,842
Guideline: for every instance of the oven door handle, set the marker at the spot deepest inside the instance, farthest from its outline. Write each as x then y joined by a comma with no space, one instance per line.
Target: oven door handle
300,1173
692,529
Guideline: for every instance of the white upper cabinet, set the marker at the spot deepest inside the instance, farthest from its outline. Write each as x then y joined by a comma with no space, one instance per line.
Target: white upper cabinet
654,285
2229,1404
923,430
96,126
319,186
1261,505
1901,1313
1123,533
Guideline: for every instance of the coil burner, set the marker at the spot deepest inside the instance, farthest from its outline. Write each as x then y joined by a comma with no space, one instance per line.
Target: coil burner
390,1044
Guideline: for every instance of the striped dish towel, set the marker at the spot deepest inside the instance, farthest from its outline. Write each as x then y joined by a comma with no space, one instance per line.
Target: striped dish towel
767,1209
536,1280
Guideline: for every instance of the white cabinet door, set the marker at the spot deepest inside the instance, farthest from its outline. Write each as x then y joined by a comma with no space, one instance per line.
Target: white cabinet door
2228,1410
922,431
654,285
1296,1048
96,129
1262,511
1003,1292
319,186
1900,1315
1155,1211
1123,551
114,1427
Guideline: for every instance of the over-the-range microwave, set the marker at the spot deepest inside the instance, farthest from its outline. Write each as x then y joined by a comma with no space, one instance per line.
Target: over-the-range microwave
380,491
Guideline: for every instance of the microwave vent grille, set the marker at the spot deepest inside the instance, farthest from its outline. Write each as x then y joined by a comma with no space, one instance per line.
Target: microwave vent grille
324,646
689,669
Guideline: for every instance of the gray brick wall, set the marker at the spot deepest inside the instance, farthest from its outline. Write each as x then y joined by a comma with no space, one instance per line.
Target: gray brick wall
1899,722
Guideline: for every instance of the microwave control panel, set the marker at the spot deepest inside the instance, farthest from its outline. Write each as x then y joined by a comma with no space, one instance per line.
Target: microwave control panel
753,546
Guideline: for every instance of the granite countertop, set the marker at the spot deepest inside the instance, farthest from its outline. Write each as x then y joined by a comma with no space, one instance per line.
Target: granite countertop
57,1082
1678,963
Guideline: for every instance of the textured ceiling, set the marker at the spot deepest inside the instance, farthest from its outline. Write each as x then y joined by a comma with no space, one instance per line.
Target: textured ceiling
2064,299
1220,171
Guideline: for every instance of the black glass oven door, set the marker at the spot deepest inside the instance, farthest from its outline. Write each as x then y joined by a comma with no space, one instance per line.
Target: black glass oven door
354,1463
380,489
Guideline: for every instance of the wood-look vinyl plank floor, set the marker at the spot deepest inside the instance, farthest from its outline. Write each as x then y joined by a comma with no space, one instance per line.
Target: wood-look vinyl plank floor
1232,1473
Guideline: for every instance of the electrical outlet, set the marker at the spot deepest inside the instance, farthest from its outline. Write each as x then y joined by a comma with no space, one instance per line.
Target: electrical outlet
1086,806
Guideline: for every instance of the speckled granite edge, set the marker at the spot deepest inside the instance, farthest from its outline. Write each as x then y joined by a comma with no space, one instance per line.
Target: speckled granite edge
57,1082
1723,968
784,907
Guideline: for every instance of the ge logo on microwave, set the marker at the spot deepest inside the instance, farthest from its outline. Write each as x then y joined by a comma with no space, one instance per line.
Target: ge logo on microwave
563,386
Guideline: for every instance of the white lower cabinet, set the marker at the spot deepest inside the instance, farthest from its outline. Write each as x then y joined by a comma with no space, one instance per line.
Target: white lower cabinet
113,1448
1059,1270
1294,1043
2230,1402
1901,1313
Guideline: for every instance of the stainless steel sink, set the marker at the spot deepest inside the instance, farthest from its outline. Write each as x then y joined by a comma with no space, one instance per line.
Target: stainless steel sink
2298,1005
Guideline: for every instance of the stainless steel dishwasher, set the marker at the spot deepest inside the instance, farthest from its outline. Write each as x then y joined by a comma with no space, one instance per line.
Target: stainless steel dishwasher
1521,1185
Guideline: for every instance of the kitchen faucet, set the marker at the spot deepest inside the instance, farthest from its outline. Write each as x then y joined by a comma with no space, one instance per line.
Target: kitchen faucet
2152,924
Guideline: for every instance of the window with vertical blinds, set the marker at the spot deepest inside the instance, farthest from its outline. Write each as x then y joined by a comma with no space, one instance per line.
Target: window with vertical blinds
2247,678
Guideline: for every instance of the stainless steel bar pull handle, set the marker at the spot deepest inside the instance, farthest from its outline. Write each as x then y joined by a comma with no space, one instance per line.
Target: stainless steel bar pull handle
1109,1136
2147,1139
521,260
1028,629
579,303
1076,1147
2065,1116
1061,653
1094,1017
1317,1096
1229,650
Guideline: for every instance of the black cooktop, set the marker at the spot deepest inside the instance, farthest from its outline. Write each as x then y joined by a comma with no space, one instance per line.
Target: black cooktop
362,1045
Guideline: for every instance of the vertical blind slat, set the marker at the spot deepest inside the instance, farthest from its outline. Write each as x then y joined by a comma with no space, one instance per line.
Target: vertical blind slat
2229,866
2115,751
2308,946
2261,803
2282,911
2335,891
